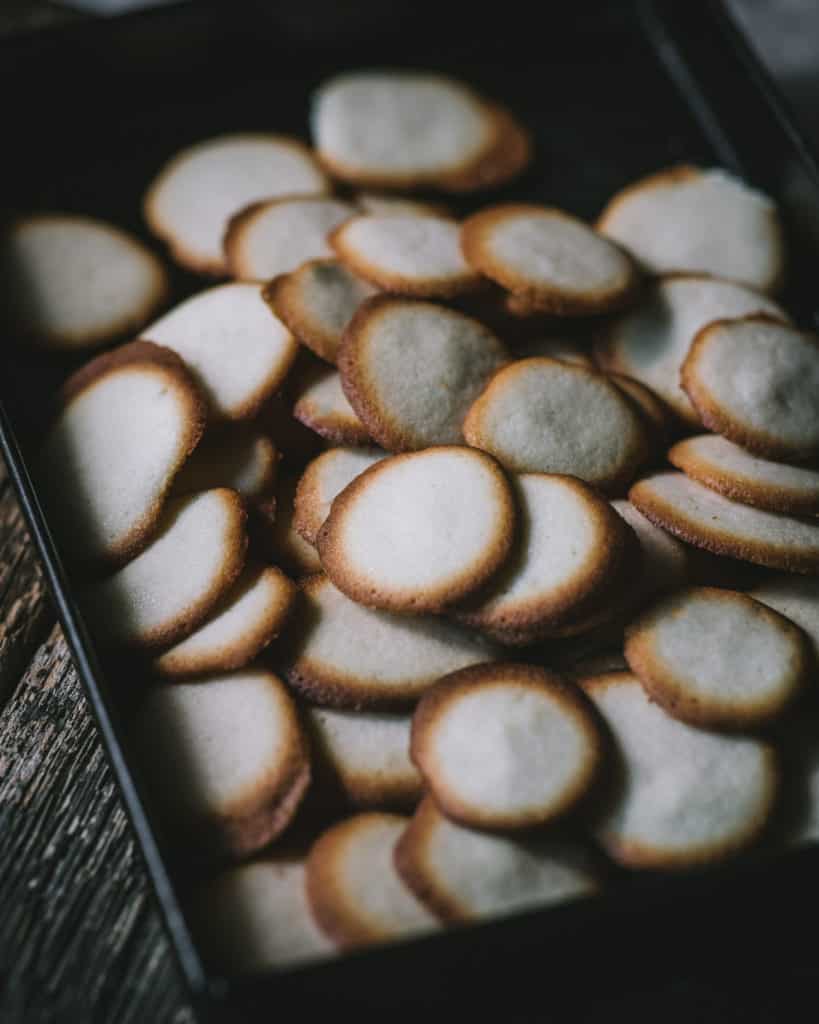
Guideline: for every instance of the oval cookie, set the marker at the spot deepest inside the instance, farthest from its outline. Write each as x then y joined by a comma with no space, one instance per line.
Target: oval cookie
686,797
322,406
717,658
505,746
419,531
323,478
411,370
241,459
544,416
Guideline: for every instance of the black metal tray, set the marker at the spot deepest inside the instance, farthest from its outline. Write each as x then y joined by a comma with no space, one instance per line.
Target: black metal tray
610,91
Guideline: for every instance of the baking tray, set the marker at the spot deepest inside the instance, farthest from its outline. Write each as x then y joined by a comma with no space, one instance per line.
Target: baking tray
610,91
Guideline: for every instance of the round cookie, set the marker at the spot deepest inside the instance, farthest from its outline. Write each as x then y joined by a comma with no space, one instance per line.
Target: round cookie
419,531
411,370
416,255
685,797
544,416
317,301
129,420
755,380
225,759
735,473
241,459
795,597
278,235
355,893
324,478
571,546
364,757
685,652
345,655
504,746
244,622
322,406
650,343
69,282
657,414
550,261
464,875
232,344
402,129
700,221
173,585
194,196
702,517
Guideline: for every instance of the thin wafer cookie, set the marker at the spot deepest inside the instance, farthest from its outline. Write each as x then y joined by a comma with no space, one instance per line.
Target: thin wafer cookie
323,479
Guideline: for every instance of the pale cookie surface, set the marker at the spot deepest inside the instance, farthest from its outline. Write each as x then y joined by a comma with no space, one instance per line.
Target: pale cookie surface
571,545
756,381
718,658
411,370
686,797
323,478
504,746
549,259
365,756
225,758
465,875
256,917
545,416
193,198
243,623
735,473
795,597
701,517
651,342
240,459
700,221
419,531
409,255
129,420
233,345
322,406
350,656
355,892
317,301
170,588
277,236
69,282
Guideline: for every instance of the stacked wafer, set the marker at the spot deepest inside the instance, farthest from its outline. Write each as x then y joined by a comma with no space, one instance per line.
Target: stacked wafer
425,627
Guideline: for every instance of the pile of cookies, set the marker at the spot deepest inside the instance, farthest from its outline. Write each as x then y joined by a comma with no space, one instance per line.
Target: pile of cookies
426,627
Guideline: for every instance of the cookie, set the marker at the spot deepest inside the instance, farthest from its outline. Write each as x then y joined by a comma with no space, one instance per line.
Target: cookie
700,221
364,757
403,129
685,797
128,421
233,345
549,260
345,655
419,531
416,255
684,651
285,544
665,563
555,347
72,282
168,590
372,202
657,414
737,474
317,301
650,342
464,875
545,416
225,760
755,380
702,517
241,459
196,193
355,893
244,622
504,746
295,443
323,478
571,545
321,405
795,597
278,235
411,370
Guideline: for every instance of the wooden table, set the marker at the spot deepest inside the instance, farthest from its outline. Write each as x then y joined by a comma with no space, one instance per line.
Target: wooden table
80,938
